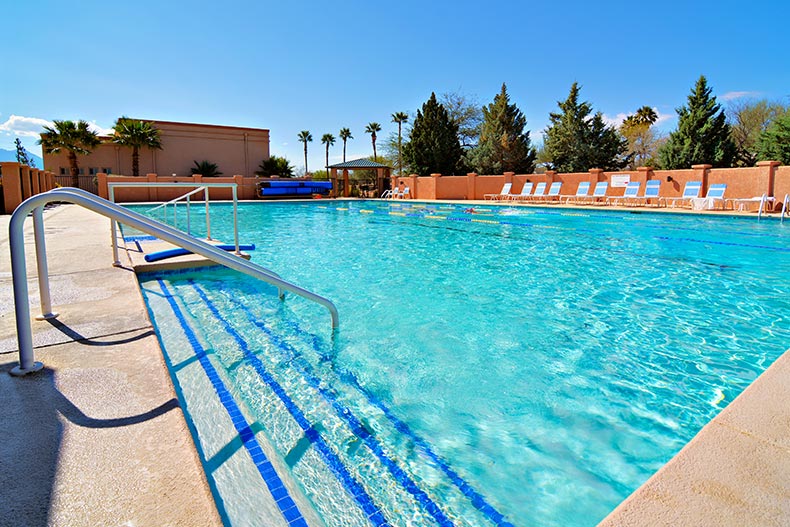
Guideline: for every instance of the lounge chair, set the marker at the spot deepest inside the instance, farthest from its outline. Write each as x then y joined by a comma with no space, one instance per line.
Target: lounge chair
401,194
582,191
540,189
600,192
712,199
652,189
524,194
504,192
690,191
553,194
630,194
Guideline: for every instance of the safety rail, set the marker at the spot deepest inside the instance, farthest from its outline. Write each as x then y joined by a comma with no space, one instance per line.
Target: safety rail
784,208
112,186
35,204
185,197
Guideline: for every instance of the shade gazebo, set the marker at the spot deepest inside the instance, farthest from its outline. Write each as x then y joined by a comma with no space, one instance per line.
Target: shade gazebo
382,173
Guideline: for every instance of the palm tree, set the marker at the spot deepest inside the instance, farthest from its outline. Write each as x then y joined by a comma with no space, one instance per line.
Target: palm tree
345,135
400,118
305,137
136,134
328,140
75,138
206,169
371,129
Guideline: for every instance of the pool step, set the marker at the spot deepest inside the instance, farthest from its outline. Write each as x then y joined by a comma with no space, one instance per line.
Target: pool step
357,448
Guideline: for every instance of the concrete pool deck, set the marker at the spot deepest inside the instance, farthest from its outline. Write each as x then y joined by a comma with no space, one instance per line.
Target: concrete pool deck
98,438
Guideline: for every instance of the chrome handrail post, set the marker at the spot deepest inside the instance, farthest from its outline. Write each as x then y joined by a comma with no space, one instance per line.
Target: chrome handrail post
208,217
41,265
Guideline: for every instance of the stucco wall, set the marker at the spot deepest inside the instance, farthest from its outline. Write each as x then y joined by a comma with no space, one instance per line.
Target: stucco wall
234,150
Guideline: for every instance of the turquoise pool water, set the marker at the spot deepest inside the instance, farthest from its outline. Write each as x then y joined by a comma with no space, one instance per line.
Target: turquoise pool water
524,367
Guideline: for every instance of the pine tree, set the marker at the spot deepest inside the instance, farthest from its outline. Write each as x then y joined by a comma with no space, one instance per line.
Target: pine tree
774,142
21,154
576,142
504,144
702,136
433,145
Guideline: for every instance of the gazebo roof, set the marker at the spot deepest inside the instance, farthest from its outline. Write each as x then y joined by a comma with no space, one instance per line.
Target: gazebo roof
359,163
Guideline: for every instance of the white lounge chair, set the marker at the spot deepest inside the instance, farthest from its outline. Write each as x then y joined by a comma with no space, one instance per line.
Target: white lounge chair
504,192
553,194
582,191
401,194
600,192
652,190
524,194
690,191
712,199
540,190
630,194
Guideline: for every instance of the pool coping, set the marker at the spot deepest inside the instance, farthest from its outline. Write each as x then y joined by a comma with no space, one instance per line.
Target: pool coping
735,471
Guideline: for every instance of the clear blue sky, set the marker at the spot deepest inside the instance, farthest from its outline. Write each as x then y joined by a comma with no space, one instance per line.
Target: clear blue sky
320,66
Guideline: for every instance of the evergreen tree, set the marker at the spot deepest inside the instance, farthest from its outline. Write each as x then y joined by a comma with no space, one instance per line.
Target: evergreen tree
21,154
504,144
433,145
576,142
702,136
774,142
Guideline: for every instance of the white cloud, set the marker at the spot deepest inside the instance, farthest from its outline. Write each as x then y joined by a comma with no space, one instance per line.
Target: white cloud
615,121
24,126
731,95
100,130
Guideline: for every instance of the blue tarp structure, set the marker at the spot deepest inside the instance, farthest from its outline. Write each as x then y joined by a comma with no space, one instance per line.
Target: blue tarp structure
293,188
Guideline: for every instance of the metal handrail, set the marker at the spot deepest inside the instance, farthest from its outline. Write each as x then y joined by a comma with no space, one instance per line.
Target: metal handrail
104,207
784,208
233,186
186,196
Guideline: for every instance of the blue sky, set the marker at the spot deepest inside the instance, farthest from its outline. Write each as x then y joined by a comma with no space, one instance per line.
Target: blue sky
320,66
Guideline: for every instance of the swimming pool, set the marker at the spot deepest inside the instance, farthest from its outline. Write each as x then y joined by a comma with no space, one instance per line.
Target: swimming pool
514,366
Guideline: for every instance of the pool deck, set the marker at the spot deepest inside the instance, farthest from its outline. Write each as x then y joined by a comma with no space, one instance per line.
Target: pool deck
98,437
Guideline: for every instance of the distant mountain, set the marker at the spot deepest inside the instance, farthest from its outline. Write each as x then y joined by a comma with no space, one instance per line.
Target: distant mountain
10,155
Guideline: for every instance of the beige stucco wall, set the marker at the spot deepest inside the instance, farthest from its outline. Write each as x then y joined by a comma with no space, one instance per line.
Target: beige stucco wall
235,150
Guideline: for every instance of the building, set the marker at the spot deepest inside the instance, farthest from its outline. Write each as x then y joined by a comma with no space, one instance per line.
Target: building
235,150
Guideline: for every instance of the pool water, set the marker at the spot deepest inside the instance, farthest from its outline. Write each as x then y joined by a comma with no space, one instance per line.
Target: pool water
508,367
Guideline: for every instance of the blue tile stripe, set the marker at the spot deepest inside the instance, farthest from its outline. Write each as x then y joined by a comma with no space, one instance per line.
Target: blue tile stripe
285,503
293,355
354,488
400,475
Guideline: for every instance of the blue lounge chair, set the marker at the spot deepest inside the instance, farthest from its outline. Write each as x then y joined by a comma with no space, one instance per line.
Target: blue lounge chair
524,194
582,191
600,192
554,192
504,192
540,189
630,194
690,191
652,189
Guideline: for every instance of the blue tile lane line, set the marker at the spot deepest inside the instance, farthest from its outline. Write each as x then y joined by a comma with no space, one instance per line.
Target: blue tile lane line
344,413
292,355
285,503
353,487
